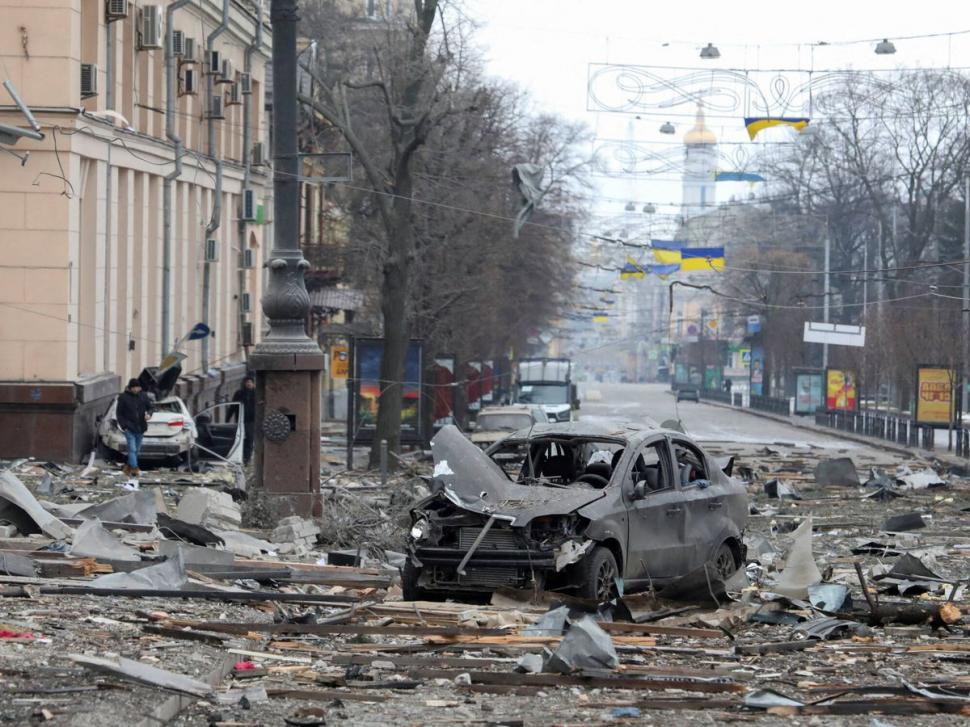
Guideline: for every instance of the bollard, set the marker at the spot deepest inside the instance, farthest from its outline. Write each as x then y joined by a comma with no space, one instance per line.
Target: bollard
383,463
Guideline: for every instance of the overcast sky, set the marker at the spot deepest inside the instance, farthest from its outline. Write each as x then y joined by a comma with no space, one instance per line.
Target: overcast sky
547,46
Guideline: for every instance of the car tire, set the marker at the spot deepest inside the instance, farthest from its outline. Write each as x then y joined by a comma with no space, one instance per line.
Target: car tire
598,572
725,564
410,591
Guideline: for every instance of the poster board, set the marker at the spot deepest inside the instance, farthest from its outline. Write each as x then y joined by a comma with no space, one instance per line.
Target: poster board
443,381
339,361
935,400
841,390
368,354
808,392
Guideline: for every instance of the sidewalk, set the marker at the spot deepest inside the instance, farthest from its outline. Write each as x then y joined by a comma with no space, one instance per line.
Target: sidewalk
947,458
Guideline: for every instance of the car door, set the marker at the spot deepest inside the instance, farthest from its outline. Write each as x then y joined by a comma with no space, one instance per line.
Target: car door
218,437
703,502
657,538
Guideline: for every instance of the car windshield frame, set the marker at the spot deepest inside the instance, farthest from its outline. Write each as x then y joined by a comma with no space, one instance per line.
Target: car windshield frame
571,441
525,419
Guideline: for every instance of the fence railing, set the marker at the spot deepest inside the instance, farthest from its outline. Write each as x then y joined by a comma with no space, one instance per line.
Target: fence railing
770,404
716,395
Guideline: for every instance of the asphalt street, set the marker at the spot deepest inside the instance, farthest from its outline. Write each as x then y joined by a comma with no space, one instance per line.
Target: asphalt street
704,422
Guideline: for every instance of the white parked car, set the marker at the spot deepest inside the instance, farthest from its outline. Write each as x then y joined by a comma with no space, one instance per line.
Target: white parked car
497,422
174,435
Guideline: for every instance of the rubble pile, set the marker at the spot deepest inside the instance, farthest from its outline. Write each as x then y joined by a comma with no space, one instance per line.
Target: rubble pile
156,606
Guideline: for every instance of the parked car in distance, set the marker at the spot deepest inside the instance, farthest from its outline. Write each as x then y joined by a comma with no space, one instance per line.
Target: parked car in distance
497,422
173,436
571,507
688,392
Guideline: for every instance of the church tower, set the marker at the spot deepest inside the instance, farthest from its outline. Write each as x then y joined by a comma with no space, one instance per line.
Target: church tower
700,163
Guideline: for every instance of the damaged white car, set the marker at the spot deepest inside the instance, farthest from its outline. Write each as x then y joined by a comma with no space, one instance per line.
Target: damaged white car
574,507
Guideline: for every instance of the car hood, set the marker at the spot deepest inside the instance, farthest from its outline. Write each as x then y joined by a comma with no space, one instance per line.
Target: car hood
472,481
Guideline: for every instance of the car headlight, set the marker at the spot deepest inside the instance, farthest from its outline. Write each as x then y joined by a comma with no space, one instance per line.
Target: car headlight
420,529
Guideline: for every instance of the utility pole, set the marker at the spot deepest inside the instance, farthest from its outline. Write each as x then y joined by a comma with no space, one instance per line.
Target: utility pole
825,294
288,363
966,288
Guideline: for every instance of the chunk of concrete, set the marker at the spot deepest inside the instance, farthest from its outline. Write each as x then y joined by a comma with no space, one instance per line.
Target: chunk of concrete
295,529
209,508
8,531
840,471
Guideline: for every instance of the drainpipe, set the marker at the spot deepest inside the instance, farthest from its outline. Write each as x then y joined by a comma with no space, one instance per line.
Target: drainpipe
167,183
109,77
214,220
247,148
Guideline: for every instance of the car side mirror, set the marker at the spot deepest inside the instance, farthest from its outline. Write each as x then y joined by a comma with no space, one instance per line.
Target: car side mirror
640,490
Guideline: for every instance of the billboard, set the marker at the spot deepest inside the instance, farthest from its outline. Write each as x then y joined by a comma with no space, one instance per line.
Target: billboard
443,381
935,402
834,334
808,392
368,354
757,372
473,385
339,361
841,390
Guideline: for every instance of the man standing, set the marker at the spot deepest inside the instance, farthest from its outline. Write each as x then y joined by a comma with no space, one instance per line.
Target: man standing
133,412
247,397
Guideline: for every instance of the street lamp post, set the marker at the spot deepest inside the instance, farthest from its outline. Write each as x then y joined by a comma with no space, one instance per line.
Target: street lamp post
288,363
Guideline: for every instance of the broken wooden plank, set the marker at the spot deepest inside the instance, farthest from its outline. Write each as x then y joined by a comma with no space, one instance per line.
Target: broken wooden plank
337,599
777,647
331,629
185,634
324,695
714,684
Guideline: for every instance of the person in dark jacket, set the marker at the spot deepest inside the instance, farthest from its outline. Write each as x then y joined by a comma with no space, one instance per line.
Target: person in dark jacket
247,397
133,412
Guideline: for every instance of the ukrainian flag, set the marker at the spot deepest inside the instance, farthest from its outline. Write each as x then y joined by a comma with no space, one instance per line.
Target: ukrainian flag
632,269
755,124
601,318
667,252
663,271
700,259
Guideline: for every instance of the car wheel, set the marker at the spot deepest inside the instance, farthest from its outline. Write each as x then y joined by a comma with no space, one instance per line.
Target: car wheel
725,564
599,573
410,591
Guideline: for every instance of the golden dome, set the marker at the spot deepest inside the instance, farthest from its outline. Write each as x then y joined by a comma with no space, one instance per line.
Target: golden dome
700,134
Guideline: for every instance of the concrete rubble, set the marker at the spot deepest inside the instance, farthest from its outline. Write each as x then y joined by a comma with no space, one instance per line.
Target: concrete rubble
115,612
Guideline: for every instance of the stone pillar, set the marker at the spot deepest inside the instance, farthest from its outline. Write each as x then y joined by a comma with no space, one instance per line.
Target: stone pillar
287,362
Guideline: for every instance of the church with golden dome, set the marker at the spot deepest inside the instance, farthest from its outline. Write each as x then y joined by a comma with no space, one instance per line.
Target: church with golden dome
700,164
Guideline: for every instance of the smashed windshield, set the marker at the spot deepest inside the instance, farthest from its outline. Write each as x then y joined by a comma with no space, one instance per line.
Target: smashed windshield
564,461
549,394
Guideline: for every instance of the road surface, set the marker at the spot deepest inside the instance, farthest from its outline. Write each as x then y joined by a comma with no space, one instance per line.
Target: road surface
704,422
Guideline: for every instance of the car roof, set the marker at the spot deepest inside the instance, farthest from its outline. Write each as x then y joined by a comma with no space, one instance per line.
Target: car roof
629,432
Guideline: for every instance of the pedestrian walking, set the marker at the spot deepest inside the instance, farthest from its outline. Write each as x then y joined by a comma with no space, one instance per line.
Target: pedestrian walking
247,397
133,412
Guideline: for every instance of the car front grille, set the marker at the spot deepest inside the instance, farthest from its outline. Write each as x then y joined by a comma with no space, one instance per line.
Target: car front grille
497,538
491,577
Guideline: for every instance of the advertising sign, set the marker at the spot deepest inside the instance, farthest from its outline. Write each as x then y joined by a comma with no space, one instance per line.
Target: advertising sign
808,392
935,403
369,353
339,362
757,371
473,385
443,381
488,381
840,390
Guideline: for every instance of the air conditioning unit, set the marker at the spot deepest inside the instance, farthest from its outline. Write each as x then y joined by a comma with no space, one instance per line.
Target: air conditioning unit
215,108
233,96
149,27
211,251
248,261
249,205
190,51
116,10
89,80
190,82
245,83
213,62
258,157
178,43
226,75
246,302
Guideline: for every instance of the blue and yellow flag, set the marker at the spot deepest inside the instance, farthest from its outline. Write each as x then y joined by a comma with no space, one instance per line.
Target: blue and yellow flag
737,177
632,269
700,259
755,124
601,318
663,271
667,252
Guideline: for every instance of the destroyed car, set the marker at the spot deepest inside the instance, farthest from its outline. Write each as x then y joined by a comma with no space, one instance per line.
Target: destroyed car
173,434
497,422
574,507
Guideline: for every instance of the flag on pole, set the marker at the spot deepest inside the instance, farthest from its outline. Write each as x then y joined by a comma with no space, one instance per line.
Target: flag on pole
700,259
632,269
756,124
667,252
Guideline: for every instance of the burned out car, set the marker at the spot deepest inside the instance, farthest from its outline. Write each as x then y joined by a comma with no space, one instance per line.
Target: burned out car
573,507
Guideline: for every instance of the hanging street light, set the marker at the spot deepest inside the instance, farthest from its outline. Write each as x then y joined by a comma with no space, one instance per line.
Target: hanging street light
630,207
710,52
885,48
667,128
649,209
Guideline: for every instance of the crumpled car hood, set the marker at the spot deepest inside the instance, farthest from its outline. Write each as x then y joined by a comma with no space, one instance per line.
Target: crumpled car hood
472,481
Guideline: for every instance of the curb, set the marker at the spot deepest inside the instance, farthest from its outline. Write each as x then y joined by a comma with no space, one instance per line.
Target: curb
868,441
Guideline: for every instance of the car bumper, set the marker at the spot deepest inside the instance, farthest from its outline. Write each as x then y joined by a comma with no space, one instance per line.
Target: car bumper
151,448
484,572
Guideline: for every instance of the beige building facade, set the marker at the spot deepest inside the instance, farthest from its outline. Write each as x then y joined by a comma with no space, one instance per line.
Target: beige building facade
102,269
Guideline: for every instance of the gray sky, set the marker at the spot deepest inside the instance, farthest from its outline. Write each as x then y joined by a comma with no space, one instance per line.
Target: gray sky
547,47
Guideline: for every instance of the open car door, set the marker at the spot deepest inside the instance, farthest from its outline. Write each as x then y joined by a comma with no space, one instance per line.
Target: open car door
220,433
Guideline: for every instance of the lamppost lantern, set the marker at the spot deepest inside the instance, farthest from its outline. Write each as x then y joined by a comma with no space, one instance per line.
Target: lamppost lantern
649,209
710,52
667,128
630,207
885,48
